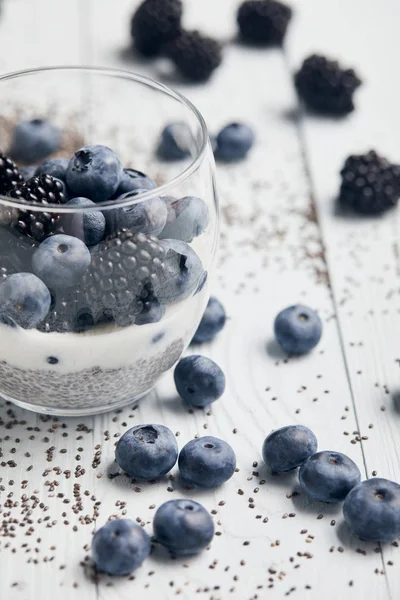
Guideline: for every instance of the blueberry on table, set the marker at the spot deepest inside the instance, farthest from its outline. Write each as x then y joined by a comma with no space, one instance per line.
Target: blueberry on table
187,218
182,274
61,260
372,510
329,476
24,300
176,142
199,380
146,216
120,547
94,172
34,139
298,329
212,322
207,462
263,22
57,167
234,142
147,451
183,526
88,226
134,180
288,447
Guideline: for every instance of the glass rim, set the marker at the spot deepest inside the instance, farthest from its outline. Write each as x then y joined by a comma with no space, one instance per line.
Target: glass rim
161,190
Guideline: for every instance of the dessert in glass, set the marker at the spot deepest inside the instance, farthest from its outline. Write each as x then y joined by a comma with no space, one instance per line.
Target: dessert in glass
108,232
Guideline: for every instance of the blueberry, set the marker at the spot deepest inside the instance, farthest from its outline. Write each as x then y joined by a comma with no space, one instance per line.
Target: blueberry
185,527
176,142
152,312
185,272
199,380
34,140
134,180
27,172
234,142
60,261
288,447
24,300
87,226
56,168
147,216
372,510
207,462
147,451
328,476
187,218
298,329
120,547
213,320
94,172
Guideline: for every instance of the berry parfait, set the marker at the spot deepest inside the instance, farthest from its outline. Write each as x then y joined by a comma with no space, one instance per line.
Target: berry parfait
106,248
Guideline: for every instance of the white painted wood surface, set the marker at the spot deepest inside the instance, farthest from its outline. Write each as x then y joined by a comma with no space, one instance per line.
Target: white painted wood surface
273,252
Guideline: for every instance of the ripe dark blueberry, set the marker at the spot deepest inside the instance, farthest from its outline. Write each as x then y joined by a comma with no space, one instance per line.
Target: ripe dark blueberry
288,447
154,23
199,380
120,547
34,140
9,174
57,167
147,451
147,216
212,322
370,184
185,527
60,261
207,462
182,274
263,22
134,180
298,329
94,172
24,300
87,226
195,56
329,476
186,219
176,142
325,87
234,142
372,510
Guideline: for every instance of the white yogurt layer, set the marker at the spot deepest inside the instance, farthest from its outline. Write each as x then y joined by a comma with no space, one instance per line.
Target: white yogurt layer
107,347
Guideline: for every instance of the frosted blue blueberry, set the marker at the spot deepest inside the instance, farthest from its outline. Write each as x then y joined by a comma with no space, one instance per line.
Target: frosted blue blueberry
24,300
94,172
87,226
176,142
329,476
207,462
187,218
234,142
288,447
183,526
120,547
212,322
147,216
34,139
134,180
57,167
60,261
185,272
199,380
147,451
298,329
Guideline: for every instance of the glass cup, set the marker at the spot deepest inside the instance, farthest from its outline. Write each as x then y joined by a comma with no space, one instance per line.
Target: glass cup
111,290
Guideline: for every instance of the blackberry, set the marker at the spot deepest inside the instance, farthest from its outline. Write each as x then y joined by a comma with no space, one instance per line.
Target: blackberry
44,189
263,22
195,56
370,184
154,23
121,276
9,174
68,313
325,87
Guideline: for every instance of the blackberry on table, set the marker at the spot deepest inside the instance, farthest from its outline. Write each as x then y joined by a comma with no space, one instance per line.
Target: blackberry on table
195,55
370,184
263,22
44,189
9,174
325,87
122,274
154,23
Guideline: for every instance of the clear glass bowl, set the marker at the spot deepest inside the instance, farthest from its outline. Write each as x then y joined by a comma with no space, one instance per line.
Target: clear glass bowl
95,349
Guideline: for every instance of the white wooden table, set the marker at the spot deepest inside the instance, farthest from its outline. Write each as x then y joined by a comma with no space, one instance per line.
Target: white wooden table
281,243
